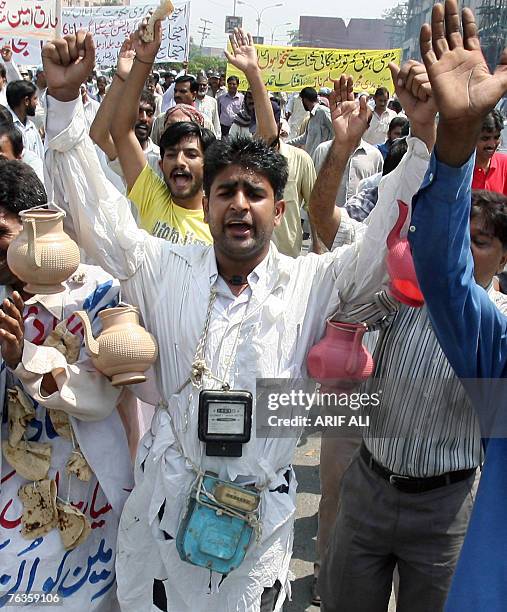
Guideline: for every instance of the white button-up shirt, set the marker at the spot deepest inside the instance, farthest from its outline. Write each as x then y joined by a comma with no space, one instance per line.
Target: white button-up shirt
209,108
31,137
283,317
379,126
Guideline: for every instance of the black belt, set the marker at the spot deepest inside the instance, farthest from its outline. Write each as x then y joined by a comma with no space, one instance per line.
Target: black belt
407,484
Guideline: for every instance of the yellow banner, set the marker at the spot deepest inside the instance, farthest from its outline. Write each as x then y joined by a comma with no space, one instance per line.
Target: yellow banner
292,68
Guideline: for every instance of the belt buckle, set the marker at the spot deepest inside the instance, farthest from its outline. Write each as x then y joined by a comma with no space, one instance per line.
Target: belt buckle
395,478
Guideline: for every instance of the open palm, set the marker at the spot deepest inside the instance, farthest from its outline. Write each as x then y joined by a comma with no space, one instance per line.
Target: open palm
243,55
349,117
463,87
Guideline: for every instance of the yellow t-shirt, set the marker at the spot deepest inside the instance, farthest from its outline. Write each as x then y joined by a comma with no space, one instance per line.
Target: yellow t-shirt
161,217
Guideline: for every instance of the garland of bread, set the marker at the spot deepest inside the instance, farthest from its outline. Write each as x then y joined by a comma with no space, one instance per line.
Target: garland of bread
163,10
42,509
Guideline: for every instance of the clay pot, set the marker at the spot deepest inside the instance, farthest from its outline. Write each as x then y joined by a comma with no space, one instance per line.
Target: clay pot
340,360
42,255
124,350
400,265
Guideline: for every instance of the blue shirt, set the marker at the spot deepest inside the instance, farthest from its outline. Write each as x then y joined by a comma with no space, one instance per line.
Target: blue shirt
384,148
473,335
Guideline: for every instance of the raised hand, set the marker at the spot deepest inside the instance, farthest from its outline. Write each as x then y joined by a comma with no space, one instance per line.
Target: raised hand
349,117
146,52
12,330
125,59
6,53
67,63
243,55
413,89
463,87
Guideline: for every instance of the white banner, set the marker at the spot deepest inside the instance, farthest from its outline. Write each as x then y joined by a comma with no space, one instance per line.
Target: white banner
35,18
110,25
25,51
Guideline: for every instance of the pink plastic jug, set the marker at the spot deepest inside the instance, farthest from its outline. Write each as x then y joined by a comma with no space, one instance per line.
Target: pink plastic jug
400,265
340,360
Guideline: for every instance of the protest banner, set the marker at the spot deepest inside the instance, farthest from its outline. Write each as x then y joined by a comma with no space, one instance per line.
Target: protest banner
34,18
292,68
25,51
110,25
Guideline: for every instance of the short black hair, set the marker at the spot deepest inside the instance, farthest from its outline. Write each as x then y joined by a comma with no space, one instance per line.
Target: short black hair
20,187
396,106
5,116
249,154
15,137
397,122
183,129
3,72
381,91
148,98
493,122
309,93
187,78
233,78
491,207
395,155
17,91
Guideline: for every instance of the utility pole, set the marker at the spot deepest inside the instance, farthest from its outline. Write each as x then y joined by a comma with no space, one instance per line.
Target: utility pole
204,30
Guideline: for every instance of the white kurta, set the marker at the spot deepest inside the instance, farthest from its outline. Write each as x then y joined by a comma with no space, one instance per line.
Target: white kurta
84,578
269,337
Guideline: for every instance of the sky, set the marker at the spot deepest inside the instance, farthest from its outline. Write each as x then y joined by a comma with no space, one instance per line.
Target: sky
274,20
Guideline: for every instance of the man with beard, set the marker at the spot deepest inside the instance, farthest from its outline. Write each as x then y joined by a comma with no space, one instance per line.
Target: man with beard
490,171
100,128
168,207
22,100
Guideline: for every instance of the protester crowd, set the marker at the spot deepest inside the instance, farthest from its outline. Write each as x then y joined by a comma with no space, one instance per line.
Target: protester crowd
197,203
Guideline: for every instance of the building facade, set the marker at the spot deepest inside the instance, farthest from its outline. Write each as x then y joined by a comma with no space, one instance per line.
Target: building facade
334,33
419,12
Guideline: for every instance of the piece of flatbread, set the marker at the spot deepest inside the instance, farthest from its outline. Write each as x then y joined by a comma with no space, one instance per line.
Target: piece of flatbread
73,526
31,460
78,466
21,411
64,341
61,423
163,10
40,515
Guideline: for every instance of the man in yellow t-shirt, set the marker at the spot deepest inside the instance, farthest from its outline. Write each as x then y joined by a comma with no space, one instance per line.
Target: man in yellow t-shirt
169,207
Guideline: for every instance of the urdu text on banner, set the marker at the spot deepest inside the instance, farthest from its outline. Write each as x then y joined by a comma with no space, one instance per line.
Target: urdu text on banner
292,68
110,25
35,18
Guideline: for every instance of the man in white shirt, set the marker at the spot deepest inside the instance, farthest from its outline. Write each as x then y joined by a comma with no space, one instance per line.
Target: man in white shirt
91,106
379,125
253,312
363,163
22,100
207,105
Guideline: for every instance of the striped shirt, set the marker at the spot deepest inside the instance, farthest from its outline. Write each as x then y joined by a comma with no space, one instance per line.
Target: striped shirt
425,424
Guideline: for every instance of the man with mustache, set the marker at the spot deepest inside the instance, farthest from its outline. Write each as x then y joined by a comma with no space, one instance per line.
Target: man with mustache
490,171
22,100
225,314
168,196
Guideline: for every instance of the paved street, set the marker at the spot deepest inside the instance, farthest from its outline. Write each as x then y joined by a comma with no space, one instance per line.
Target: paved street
307,471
